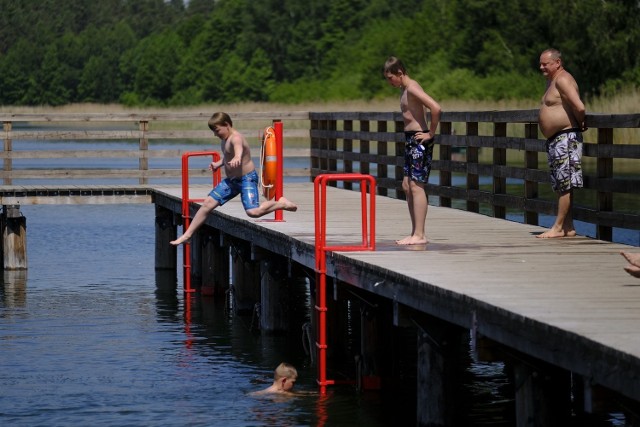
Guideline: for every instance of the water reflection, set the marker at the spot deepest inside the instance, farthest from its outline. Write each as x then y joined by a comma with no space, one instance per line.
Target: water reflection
14,288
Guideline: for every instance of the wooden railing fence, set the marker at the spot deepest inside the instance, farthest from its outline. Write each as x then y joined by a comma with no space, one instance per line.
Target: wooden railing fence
492,162
144,132
501,168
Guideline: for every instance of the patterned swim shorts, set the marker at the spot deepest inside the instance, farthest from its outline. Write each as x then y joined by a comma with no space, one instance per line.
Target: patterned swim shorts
564,153
417,158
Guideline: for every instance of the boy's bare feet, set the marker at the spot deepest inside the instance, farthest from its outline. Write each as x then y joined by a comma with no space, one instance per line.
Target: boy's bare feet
180,240
633,258
633,270
288,205
412,240
552,233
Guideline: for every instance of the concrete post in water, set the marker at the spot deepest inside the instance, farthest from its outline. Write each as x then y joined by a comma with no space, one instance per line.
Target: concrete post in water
14,238
165,232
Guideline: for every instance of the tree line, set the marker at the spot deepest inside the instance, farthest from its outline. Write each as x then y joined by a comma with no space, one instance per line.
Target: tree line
172,52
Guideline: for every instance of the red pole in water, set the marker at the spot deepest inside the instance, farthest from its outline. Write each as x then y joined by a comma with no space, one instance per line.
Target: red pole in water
277,127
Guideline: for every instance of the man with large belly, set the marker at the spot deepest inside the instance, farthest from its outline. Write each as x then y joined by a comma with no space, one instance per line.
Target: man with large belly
561,121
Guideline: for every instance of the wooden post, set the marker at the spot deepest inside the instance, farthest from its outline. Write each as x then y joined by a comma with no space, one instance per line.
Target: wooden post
196,260
347,144
274,296
166,253
530,162
215,263
543,394
246,279
473,181
8,148
143,160
445,160
314,161
604,171
364,148
499,159
14,238
438,369
382,151
399,153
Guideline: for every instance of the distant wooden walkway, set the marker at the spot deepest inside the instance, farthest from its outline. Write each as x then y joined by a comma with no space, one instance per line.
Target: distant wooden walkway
565,301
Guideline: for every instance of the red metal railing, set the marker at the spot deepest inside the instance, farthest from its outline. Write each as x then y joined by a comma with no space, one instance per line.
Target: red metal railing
186,219
368,244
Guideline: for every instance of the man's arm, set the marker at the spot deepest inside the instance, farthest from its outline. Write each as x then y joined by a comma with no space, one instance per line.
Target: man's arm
569,93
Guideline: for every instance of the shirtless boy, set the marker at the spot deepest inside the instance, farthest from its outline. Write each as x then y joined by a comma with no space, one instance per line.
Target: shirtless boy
561,121
284,378
418,146
241,178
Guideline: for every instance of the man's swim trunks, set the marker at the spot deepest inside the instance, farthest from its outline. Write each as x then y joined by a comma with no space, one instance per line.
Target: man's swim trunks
231,187
564,153
417,157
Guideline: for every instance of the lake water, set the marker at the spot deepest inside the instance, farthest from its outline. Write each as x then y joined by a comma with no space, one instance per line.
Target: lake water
91,335
89,338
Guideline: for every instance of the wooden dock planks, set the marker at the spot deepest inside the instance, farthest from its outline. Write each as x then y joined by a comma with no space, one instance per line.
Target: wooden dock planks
566,301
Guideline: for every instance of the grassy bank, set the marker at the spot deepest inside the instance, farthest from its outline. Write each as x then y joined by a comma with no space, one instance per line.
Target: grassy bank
627,102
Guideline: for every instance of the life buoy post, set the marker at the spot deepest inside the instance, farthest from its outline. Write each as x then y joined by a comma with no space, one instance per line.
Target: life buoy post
271,164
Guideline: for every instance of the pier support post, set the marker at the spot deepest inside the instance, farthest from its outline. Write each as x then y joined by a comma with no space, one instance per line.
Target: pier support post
14,238
274,296
196,260
543,394
246,279
439,373
375,345
165,232
215,263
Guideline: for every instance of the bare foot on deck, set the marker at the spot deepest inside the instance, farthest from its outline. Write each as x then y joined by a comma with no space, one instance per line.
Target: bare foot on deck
555,234
180,240
412,240
288,205
634,259
633,270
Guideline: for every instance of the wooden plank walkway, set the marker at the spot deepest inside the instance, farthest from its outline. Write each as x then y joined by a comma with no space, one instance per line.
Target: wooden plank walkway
566,301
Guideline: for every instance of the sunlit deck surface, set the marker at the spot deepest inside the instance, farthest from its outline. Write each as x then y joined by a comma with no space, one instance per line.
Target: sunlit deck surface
565,301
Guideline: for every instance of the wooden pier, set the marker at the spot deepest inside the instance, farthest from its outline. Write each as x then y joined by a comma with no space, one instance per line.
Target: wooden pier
561,304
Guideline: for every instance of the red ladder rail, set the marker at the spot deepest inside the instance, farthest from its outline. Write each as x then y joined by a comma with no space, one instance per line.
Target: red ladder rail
186,219
368,222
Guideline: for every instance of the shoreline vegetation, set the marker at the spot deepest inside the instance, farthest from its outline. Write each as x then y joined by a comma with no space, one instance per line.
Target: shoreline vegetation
622,103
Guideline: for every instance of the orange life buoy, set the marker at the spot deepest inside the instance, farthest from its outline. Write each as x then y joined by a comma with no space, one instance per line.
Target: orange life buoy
269,161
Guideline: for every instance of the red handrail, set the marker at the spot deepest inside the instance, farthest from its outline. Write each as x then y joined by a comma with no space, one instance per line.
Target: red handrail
186,219
368,244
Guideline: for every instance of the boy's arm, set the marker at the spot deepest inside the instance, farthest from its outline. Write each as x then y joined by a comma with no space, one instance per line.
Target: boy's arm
431,104
236,144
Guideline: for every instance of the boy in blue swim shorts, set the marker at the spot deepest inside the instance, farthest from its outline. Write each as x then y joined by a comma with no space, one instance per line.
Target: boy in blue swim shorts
418,146
241,178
